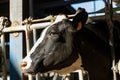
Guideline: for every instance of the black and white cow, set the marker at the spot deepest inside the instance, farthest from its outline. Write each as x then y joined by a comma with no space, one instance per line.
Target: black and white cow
68,45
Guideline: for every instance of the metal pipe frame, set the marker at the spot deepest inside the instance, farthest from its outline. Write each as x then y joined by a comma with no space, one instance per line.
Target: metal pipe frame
4,66
25,28
20,28
42,23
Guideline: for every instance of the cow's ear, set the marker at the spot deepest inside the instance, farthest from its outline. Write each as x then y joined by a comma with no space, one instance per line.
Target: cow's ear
79,26
80,18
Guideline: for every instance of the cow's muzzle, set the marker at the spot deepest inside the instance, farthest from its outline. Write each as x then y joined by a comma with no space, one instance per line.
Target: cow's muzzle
23,64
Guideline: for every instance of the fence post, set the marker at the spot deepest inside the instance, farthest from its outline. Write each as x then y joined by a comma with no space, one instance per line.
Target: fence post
16,40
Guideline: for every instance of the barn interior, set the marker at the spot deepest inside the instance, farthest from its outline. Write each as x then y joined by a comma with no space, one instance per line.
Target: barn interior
39,9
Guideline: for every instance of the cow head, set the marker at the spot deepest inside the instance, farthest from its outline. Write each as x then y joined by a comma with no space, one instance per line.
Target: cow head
55,46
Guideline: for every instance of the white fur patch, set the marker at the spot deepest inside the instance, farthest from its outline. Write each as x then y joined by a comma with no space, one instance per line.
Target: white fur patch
60,18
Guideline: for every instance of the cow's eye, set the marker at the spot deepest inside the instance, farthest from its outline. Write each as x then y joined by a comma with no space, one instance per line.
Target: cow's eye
53,33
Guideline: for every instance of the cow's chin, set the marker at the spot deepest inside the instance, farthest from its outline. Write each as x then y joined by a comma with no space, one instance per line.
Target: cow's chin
29,71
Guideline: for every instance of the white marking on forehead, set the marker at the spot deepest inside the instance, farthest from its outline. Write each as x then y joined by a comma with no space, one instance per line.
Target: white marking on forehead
39,40
60,18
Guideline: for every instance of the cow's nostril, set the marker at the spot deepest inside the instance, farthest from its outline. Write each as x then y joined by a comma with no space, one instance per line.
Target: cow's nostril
23,64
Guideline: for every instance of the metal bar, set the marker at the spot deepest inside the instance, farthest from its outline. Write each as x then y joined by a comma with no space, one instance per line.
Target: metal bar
34,35
27,41
30,77
102,17
47,19
4,66
15,56
42,23
109,15
23,27
16,46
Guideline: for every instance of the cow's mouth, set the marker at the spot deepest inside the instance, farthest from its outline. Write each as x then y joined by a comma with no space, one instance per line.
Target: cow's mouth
33,69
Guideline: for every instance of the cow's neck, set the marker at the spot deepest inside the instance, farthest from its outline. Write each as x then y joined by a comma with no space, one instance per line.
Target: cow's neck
75,66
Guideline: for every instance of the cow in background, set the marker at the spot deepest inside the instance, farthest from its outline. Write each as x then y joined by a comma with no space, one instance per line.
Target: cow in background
67,45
